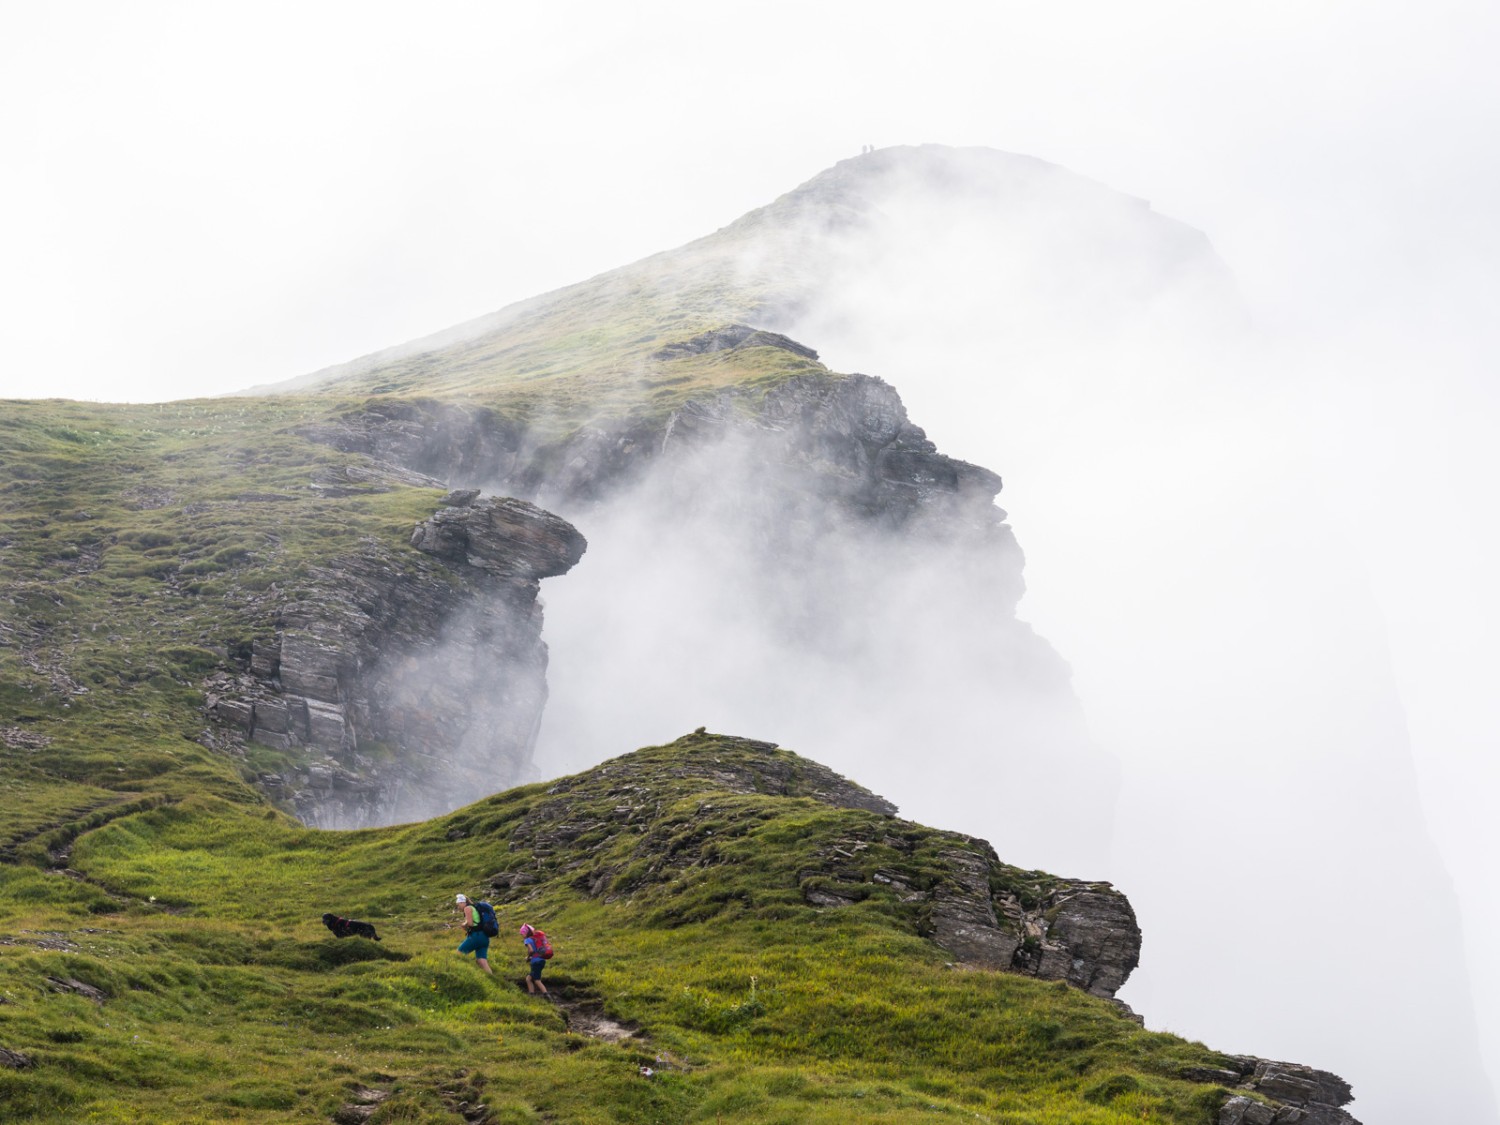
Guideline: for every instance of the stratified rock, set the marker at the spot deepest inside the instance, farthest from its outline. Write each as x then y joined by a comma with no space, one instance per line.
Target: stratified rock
964,921
265,658
1092,940
408,684
503,536
367,479
79,988
1246,1111
1289,1093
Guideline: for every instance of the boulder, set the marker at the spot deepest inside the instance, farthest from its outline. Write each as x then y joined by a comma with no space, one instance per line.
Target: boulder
502,536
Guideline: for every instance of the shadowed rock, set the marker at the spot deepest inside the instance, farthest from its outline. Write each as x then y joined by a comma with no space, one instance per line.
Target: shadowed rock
437,655
1298,1095
503,536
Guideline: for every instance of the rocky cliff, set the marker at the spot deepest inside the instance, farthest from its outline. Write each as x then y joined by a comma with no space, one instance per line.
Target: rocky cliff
403,691
827,507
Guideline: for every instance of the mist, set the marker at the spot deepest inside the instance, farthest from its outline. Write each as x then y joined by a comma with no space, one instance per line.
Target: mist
1192,556
199,202
747,584
1237,756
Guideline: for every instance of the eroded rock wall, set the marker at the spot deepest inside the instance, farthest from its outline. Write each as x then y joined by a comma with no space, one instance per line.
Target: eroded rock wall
402,687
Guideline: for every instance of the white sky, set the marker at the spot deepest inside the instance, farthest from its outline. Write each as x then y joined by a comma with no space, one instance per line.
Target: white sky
196,198
202,197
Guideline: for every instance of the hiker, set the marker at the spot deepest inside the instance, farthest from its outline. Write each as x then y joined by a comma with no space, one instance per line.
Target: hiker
477,942
537,957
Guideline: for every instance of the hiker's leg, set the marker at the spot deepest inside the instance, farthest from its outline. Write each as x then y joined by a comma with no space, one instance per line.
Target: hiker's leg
484,963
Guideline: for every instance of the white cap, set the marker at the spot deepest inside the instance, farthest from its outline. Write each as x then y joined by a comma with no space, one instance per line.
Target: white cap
461,898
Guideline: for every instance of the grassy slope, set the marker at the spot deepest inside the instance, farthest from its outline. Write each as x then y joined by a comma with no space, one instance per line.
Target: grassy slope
134,559
141,544
227,1000
587,350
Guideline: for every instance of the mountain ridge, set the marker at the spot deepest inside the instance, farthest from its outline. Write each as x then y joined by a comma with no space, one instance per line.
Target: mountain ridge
726,839
223,612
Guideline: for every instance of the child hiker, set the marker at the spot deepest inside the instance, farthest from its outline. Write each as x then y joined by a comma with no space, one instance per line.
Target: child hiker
536,958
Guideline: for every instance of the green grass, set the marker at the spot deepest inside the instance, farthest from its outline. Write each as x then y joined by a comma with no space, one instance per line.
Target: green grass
227,1000
145,548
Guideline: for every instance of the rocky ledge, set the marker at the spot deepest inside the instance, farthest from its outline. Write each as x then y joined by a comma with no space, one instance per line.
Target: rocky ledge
844,439
1286,1094
502,536
369,677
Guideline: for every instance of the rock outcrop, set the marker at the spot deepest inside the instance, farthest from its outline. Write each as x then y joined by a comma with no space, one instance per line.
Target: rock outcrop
404,686
993,916
847,436
503,537
729,338
986,914
1288,1094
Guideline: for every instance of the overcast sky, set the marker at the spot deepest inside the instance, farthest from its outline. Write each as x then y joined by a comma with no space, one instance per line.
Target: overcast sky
202,197
198,198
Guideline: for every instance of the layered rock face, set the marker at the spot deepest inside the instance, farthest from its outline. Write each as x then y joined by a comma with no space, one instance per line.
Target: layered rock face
798,560
406,687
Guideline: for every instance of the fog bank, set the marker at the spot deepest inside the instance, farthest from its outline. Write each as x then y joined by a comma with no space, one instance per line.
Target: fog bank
756,582
1189,556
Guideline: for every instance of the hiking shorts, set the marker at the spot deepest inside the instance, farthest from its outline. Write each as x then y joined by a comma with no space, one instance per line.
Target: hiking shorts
477,943
537,965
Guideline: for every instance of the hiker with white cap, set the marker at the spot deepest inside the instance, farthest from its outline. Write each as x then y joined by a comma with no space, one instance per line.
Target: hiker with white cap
477,941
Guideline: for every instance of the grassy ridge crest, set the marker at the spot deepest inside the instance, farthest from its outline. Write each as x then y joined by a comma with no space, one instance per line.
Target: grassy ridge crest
178,971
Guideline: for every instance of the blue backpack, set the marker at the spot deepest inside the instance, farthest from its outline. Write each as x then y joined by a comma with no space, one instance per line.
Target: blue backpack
484,914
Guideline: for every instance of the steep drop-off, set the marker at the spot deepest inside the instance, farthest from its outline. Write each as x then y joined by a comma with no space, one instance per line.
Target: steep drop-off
219,609
405,692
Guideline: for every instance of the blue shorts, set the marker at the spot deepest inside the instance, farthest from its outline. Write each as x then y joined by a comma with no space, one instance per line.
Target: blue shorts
477,943
537,965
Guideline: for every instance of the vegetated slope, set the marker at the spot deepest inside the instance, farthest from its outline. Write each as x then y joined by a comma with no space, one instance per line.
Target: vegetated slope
592,347
146,549
742,923
142,548
158,934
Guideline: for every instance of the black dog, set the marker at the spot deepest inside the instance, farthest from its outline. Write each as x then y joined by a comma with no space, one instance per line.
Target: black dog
348,927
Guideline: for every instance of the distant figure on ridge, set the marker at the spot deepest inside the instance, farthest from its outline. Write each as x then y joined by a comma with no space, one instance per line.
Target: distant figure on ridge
479,925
